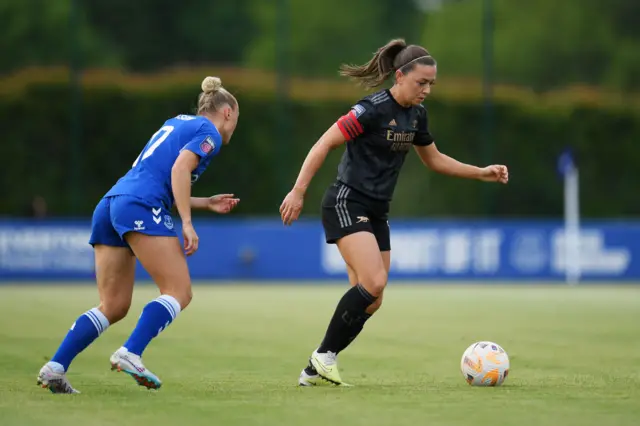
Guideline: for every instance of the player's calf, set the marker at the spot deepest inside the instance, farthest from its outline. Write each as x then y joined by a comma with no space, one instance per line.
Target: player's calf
375,306
82,333
349,314
156,316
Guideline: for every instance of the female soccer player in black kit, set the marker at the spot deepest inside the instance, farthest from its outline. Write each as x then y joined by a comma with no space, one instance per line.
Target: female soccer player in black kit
378,131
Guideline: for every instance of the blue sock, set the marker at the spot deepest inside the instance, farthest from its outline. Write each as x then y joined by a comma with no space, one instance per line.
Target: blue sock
83,332
156,316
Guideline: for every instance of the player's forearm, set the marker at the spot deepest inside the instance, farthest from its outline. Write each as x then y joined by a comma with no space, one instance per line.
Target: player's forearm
181,184
452,167
199,203
311,165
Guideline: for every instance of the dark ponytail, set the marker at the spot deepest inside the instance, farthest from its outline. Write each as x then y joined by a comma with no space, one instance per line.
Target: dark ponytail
392,56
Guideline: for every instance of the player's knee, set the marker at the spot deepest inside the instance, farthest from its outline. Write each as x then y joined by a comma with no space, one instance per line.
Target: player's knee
115,310
375,282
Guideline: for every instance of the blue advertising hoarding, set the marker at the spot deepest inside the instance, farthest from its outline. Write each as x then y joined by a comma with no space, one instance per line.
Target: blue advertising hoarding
263,249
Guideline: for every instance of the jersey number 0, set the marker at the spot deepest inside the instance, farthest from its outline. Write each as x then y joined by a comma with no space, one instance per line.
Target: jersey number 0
155,141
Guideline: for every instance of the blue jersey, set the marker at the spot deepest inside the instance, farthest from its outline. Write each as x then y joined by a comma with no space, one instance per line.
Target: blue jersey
150,177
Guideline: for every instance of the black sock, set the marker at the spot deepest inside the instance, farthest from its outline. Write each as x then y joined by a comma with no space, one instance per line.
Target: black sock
357,327
310,369
348,319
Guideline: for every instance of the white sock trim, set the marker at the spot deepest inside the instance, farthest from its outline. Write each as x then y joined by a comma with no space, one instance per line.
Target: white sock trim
100,322
171,304
56,367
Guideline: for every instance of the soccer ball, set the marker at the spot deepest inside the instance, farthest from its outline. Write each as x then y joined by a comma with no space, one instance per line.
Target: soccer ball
485,364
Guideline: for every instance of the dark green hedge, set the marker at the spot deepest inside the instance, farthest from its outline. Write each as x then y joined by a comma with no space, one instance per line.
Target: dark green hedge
269,146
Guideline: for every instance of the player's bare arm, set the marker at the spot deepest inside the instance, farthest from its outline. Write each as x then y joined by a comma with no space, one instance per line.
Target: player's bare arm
220,203
442,163
186,162
293,202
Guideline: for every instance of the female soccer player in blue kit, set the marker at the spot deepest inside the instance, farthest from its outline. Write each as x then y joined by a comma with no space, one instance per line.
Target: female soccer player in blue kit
133,220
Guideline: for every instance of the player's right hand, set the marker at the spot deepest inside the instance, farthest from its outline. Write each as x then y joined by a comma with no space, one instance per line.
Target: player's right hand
495,173
291,206
190,239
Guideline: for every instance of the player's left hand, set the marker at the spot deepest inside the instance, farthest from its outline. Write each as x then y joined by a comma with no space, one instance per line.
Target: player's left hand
495,173
222,203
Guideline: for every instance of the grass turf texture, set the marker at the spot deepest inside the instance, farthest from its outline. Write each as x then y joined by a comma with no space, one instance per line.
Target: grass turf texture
233,358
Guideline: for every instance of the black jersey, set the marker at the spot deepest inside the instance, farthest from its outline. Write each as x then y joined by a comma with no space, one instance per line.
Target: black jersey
379,133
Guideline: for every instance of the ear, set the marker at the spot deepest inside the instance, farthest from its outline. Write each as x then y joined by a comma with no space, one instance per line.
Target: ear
227,112
399,76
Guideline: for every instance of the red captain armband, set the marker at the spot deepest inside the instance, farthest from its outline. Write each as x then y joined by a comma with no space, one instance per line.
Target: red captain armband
350,126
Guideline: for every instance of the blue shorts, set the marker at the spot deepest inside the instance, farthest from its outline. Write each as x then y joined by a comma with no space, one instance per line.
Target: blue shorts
117,215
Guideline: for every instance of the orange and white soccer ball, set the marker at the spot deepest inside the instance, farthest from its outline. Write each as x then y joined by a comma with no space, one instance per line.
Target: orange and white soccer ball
485,364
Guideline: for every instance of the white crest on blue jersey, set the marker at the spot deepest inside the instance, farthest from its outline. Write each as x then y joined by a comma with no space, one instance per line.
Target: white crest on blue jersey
185,117
168,222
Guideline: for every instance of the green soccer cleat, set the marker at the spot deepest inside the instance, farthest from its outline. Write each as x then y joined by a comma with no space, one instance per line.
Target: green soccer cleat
322,370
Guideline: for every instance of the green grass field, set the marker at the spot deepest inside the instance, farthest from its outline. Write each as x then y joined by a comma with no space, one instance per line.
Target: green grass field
234,356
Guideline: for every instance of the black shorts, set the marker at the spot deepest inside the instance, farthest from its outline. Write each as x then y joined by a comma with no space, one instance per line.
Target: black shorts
346,211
